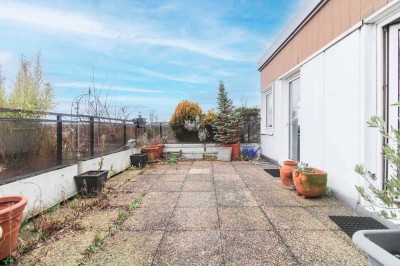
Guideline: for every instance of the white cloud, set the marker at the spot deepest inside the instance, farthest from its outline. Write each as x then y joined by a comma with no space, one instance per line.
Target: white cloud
65,22
81,85
185,79
52,19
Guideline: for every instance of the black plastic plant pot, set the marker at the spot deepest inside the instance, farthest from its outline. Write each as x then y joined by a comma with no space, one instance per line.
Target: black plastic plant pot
139,160
91,183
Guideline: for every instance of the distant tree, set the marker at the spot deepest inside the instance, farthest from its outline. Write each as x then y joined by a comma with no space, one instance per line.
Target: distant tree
29,92
249,114
186,111
227,122
2,90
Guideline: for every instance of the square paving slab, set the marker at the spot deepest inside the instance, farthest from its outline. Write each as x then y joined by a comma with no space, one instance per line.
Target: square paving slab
243,218
190,248
197,199
194,219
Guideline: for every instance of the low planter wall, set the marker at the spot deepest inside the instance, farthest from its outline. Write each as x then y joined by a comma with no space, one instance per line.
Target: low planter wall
195,151
48,189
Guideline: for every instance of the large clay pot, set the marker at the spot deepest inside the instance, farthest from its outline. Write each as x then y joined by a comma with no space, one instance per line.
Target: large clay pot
235,149
152,152
286,174
310,185
11,212
160,150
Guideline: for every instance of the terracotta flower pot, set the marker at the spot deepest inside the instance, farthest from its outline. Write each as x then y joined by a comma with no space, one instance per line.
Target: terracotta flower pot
310,185
160,150
11,212
286,174
152,152
235,149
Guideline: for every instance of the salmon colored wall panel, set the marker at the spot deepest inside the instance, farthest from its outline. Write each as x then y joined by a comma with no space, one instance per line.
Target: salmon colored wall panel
379,3
345,15
328,22
335,18
355,11
367,7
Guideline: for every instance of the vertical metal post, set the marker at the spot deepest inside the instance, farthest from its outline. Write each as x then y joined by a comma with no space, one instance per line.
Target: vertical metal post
248,131
91,132
136,132
59,139
160,130
124,133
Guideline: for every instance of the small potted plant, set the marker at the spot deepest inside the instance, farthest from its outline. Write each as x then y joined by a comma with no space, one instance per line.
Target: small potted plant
137,159
227,123
286,174
309,182
11,213
91,183
382,246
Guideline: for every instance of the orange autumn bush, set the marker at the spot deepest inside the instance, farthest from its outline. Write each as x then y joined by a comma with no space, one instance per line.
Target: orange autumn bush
185,111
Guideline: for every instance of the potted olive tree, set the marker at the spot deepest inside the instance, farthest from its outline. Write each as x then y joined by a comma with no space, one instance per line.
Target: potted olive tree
227,123
382,246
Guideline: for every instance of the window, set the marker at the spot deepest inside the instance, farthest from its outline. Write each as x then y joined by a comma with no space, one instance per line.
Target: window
269,109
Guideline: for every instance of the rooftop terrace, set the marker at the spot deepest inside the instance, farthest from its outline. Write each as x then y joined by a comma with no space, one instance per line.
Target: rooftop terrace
196,213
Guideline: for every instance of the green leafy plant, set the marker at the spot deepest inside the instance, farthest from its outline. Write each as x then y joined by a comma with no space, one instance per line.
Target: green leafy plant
303,168
385,200
172,160
29,92
227,122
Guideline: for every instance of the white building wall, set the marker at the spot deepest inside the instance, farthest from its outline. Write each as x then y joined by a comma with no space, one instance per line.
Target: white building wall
331,115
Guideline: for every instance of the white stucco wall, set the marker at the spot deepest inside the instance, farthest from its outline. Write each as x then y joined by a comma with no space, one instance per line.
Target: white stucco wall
48,189
333,114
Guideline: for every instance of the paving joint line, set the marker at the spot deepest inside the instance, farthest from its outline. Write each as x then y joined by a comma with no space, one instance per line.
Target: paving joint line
219,219
166,226
273,226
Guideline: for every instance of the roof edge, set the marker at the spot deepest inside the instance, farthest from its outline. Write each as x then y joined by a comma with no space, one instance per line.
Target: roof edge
302,14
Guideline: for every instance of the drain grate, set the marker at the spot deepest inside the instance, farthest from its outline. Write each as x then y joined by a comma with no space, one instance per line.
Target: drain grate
273,171
352,224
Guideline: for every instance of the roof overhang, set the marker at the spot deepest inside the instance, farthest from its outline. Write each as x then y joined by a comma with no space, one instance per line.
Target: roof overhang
306,10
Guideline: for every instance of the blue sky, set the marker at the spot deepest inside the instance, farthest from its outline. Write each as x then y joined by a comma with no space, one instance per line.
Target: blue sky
148,55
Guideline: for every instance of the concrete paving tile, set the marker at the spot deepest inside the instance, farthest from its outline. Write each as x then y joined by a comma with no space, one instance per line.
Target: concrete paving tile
156,170
321,201
148,219
255,248
173,178
199,171
163,186
276,198
146,177
122,199
197,199
235,198
322,214
243,218
194,219
197,164
139,186
293,218
190,248
230,185
223,170
157,199
199,178
261,184
227,177
178,171
128,248
198,187
321,248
